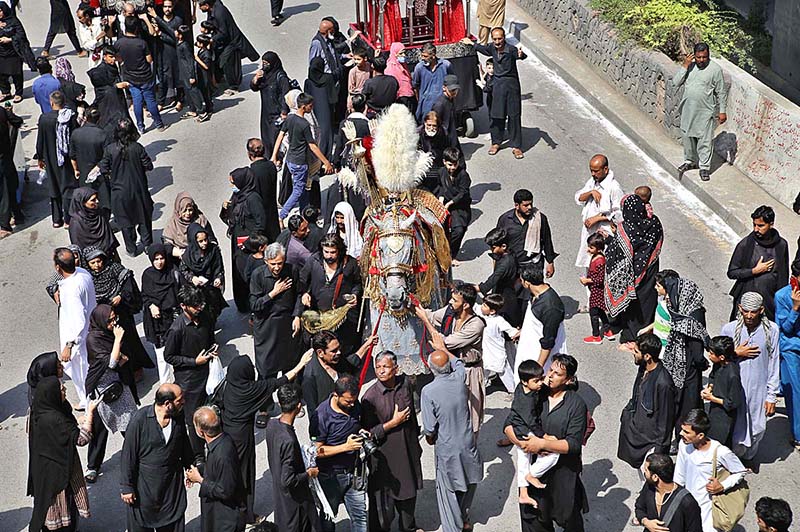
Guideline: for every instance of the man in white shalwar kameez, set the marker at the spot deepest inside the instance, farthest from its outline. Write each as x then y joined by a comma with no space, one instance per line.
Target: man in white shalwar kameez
694,467
601,199
77,301
757,348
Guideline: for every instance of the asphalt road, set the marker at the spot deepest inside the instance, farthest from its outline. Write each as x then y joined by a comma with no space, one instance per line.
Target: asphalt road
561,133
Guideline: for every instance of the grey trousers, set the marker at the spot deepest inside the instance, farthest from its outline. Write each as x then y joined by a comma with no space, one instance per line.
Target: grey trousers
453,505
699,150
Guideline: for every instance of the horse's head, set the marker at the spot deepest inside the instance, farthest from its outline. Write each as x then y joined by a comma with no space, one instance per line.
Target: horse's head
396,241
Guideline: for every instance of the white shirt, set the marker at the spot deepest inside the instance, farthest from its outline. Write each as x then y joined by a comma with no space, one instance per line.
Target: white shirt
693,471
611,195
167,431
78,300
494,343
87,36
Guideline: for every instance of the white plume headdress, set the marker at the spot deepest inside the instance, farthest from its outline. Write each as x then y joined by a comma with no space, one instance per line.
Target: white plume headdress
398,165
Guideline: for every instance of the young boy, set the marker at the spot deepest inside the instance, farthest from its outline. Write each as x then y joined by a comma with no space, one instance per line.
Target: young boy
595,280
188,74
504,277
453,192
724,391
358,75
487,81
205,70
525,420
495,358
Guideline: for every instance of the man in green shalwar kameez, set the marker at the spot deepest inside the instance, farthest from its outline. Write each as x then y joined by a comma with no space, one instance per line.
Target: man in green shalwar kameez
704,90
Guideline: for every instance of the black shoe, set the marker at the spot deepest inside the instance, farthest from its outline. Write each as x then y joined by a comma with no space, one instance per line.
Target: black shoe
261,420
277,21
685,167
705,175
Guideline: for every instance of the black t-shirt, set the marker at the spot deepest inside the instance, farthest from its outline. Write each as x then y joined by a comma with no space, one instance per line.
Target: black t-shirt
380,91
135,68
299,131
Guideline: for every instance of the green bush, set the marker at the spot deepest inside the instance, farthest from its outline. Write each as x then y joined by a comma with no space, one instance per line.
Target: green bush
674,26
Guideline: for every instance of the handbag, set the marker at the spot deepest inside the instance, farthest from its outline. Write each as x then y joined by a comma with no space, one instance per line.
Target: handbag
727,508
111,393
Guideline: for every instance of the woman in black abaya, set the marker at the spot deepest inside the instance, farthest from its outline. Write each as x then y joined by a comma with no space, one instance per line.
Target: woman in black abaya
115,285
245,216
55,480
242,398
89,226
272,84
201,265
631,266
160,284
44,365
14,50
322,87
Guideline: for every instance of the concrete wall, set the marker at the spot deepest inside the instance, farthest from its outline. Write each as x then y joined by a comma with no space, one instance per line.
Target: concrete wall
785,41
762,135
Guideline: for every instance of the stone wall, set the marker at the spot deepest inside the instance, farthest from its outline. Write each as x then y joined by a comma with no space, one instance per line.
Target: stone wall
762,135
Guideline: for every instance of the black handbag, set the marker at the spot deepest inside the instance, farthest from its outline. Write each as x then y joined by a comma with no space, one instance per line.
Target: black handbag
111,393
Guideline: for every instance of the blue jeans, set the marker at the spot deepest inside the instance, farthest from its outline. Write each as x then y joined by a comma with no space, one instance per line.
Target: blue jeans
338,488
299,193
145,92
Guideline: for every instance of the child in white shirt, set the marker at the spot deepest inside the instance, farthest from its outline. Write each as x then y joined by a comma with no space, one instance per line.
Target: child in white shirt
495,358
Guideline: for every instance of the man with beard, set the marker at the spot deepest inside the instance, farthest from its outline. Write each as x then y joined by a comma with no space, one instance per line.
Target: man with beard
542,332
155,453
506,97
109,91
758,353
647,420
189,348
167,57
296,252
704,91
601,199
529,237
662,504
463,336
330,280
760,262
231,40
86,146
53,157
395,472
266,178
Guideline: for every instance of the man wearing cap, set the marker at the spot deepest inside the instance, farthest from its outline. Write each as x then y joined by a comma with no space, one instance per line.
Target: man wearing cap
446,109
506,93
757,348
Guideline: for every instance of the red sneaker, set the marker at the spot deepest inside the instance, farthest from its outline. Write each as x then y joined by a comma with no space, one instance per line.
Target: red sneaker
593,340
609,335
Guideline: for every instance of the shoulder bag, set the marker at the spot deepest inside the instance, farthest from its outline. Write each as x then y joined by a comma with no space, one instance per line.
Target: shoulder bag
727,508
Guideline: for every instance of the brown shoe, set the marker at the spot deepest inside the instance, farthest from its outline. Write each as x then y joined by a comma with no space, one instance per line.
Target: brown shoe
494,149
518,153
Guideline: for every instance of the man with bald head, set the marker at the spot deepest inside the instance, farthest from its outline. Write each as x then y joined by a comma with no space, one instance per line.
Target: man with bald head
447,426
322,46
222,495
600,198
154,455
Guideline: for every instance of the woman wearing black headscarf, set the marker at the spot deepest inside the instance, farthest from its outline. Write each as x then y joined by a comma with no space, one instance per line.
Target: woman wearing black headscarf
242,398
89,226
323,88
245,216
201,265
160,284
109,376
273,83
116,286
54,468
44,365
14,50
631,267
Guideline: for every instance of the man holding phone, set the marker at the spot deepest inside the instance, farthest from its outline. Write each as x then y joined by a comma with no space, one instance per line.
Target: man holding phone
189,348
704,91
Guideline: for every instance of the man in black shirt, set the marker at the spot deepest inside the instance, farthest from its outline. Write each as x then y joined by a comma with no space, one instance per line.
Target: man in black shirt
86,146
529,237
445,108
189,348
136,70
8,172
266,177
167,60
547,311
61,176
678,511
301,141
380,90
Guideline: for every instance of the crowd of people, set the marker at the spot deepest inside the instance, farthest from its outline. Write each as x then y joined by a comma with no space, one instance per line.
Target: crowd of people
295,251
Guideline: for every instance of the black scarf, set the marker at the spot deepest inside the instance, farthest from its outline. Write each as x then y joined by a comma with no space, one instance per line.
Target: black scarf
99,344
275,67
89,227
161,285
198,263
19,40
245,181
44,365
334,65
109,280
52,441
244,395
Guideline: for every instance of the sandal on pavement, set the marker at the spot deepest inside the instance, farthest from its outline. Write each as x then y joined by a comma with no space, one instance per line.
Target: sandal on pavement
494,149
17,99
518,153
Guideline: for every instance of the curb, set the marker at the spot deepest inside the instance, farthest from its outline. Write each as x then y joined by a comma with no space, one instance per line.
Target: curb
741,225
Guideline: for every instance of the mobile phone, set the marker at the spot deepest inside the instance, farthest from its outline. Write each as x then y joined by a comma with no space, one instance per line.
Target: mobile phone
794,282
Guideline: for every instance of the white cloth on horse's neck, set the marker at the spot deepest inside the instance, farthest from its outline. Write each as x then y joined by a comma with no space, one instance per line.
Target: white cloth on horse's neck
352,235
